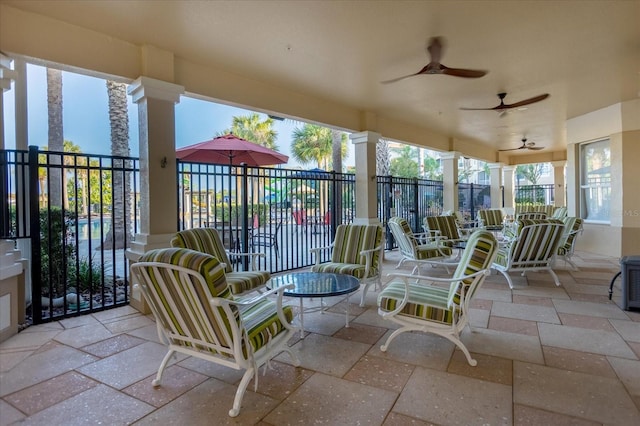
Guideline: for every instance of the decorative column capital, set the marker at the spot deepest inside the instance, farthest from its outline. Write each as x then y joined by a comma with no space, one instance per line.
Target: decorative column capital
365,137
451,155
509,169
496,165
145,87
7,75
560,163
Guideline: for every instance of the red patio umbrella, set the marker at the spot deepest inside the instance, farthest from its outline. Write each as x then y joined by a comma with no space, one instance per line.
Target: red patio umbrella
232,150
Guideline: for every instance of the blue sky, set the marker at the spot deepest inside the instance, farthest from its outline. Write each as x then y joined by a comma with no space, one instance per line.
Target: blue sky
86,117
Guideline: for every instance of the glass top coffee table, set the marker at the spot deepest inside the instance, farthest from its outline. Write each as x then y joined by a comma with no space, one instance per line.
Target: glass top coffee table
315,284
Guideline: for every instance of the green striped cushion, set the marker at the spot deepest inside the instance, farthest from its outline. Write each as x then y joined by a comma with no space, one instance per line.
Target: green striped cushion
240,282
532,243
446,225
559,213
401,225
205,240
571,227
429,251
262,323
186,324
350,240
491,218
437,303
354,269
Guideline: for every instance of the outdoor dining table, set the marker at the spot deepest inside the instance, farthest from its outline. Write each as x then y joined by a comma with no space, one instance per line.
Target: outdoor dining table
316,284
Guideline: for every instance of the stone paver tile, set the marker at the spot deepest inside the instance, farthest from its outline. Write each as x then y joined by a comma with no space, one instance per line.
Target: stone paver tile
42,366
175,381
494,295
9,415
128,324
45,394
477,303
629,330
116,314
629,372
380,373
395,419
149,333
28,341
326,399
635,347
326,354
503,344
8,360
543,292
436,396
208,404
280,380
529,416
424,349
533,300
513,325
80,321
489,368
584,340
585,396
582,362
210,369
585,321
361,333
372,318
98,405
603,310
127,367
590,298
113,345
479,317
84,335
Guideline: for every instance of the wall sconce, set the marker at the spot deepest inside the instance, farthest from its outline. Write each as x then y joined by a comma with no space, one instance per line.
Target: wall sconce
163,162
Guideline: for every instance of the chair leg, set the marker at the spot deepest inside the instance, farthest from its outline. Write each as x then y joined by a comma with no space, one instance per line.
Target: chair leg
395,334
555,277
156,382
242,387
506,275
456,341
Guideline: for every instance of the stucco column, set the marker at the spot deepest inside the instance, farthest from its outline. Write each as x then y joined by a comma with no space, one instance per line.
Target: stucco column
558,183
366,190
7,75
158,183
496,184
509,182
450,180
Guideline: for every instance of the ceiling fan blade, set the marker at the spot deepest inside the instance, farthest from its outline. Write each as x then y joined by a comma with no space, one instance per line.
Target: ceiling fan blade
393,80
526,101
460,72
512,149
535,148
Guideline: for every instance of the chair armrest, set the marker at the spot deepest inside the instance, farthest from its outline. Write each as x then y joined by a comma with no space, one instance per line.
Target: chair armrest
252,256
316,251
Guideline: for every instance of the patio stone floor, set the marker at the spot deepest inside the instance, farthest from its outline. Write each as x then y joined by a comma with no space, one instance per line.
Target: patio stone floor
546,355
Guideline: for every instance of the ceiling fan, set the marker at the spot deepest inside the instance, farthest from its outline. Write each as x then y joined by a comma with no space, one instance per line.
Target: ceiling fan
525,145
435,48
502,108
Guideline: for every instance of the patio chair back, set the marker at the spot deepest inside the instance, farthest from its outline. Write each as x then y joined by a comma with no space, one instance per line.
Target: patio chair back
446,226
559,213
351,240
205,240
492,219
534,245
531,215
572,227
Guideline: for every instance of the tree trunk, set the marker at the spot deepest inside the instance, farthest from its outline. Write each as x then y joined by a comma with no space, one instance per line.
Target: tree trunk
56,134
383,165
119,234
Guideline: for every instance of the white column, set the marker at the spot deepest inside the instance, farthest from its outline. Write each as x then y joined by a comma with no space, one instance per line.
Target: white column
450,180
509,187
559,183
7,75
158,184
366,191
496,185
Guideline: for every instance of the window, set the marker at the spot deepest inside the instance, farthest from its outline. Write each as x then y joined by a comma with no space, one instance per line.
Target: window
595,180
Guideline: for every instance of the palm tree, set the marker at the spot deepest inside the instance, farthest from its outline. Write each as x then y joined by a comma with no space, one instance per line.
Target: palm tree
253,129
119,121
312,143
432,168
56,134
405,165
530,172
383,165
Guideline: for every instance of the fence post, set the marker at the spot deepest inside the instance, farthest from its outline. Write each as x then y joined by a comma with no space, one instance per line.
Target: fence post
387,211
415,205
336,204
34,231
473,201
245,215
5,215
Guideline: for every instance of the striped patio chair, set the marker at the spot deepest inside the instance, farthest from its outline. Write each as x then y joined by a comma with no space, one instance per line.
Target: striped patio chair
572,227
532,248
492,219
446,228
559,213
419,249
207,240
355,251
409,301
197,315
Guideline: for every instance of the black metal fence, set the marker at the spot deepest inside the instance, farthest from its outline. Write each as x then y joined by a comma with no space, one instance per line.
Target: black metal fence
77,213
535,194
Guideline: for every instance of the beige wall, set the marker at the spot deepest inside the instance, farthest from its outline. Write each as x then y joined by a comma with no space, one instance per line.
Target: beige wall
619,123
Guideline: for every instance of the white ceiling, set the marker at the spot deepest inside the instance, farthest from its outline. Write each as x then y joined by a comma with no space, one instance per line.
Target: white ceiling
585,54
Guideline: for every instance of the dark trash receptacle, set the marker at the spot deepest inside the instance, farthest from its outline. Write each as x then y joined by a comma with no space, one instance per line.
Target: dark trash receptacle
630,273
